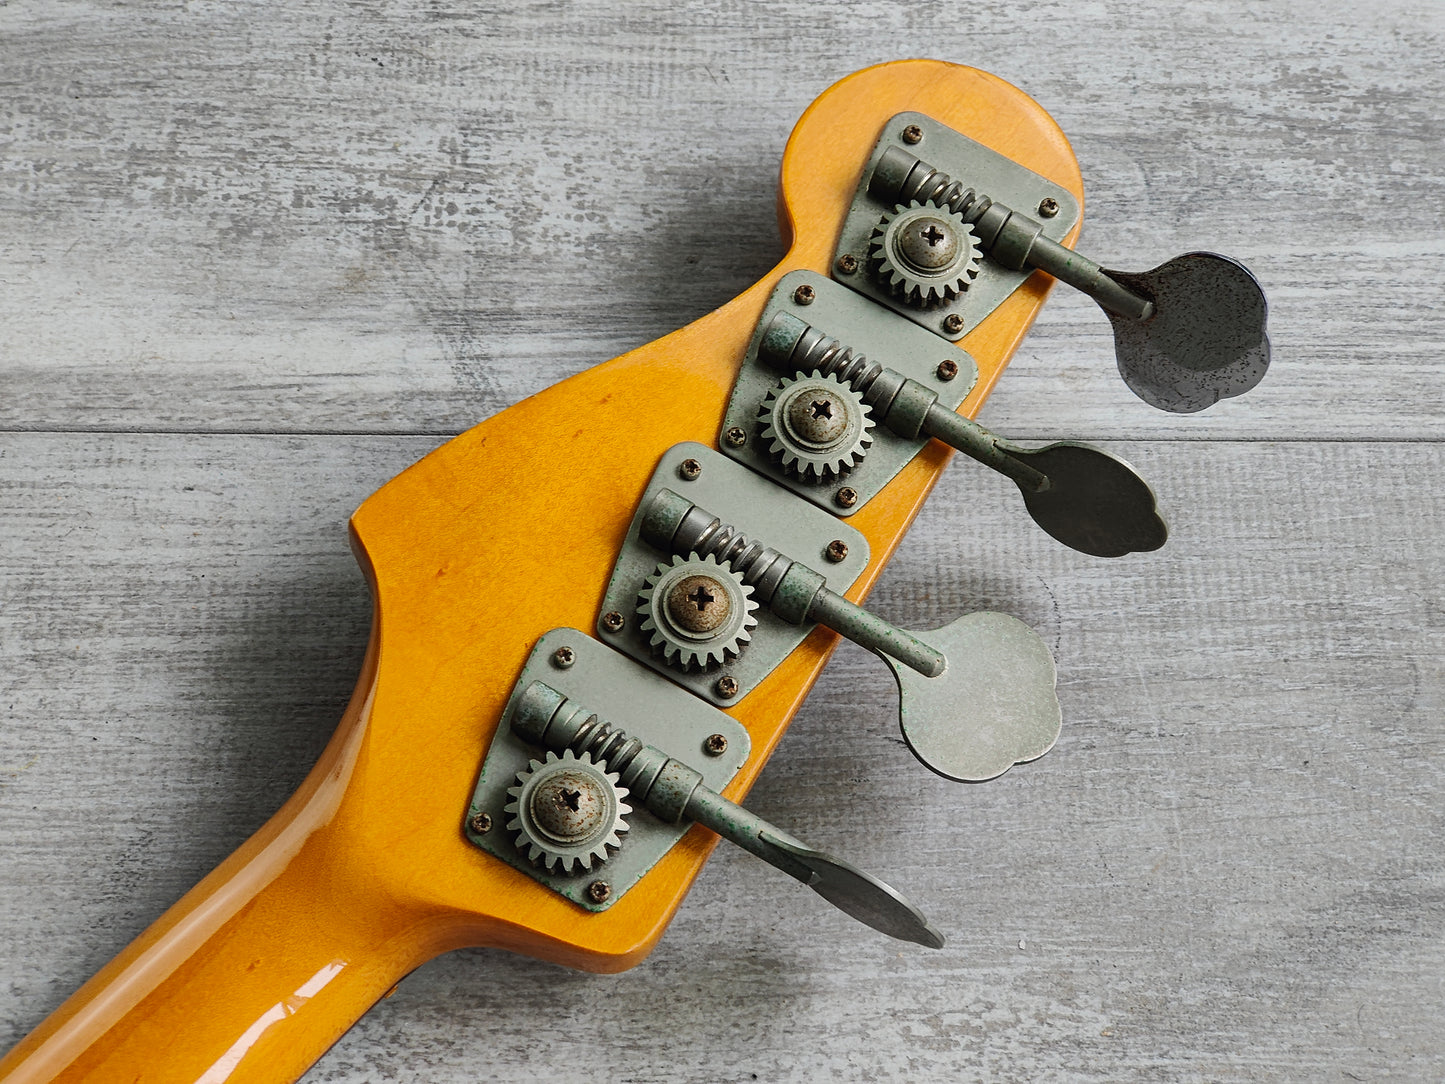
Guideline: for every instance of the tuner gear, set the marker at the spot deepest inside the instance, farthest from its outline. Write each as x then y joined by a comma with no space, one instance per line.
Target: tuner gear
817,427
697,613
924,253
567,812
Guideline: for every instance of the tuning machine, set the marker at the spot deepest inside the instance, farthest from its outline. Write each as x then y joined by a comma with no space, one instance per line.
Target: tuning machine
1187,333
1086,498
675,792
567,817
694,617
586,808
810,427
975,697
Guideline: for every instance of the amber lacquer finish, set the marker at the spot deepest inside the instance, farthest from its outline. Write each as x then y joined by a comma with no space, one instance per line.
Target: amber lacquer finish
500,535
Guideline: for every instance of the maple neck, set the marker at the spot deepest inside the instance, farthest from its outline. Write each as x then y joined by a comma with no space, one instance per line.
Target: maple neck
260,967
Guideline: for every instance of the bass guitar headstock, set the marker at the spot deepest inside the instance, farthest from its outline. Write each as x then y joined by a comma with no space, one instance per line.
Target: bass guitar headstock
597,612
714,526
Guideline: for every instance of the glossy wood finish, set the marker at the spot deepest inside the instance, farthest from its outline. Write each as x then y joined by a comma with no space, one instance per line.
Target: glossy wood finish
503,533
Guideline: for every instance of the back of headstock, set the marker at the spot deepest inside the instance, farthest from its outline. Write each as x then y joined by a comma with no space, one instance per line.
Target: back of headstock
488,557
512,529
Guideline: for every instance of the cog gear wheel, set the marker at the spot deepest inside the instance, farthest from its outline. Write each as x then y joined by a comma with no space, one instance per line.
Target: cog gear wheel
924,253
697,613
817,427
567,812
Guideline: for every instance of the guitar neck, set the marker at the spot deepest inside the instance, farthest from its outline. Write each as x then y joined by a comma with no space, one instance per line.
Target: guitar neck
260,967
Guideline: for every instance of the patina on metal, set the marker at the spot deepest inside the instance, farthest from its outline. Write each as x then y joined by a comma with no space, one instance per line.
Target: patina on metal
868,454
1206,339
675,792
698,614
1186,334
924,254
788,588
987,680
994,705
756,504
1087,498
567,813
883,194
656,710
816,427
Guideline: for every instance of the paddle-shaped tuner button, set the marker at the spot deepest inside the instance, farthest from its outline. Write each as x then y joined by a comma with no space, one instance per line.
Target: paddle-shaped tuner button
1087,498
1186,334
987,675
1205,338
993,706
673,792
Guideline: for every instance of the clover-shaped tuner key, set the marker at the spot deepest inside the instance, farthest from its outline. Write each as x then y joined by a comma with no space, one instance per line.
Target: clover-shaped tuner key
1086,498
673,792
1186,334
973,702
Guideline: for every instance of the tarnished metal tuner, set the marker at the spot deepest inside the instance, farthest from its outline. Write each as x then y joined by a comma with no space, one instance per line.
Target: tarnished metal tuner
790,589
1087,498
1186,334
969,711
674,791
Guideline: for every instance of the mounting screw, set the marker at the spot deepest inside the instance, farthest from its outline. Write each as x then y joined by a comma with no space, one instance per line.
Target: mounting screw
836,551
612,621
599,891
727,686
480,823
1048,207
715,745
689,469
737,436
847,263
804,294
563,658
847,497
913,134
953,323
947,369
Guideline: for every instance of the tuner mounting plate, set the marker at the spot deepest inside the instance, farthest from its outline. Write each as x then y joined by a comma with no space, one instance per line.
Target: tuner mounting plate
975,166
649,708
758,508
863,327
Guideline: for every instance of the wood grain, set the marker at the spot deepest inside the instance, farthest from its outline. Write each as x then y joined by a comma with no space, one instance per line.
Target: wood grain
274,253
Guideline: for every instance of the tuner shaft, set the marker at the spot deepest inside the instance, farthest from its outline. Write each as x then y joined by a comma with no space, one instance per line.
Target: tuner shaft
1013,239
789,588
904,406
673,792
1086,498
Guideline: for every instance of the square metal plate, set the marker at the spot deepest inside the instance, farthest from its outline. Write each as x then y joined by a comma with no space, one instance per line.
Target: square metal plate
640,702
975,166
866,328
760,510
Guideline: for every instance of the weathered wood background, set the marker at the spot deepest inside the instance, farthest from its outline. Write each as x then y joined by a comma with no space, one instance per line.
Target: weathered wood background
256,258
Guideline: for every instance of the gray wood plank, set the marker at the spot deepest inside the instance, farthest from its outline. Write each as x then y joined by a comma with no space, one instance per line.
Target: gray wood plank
349,217
1228,869
241,225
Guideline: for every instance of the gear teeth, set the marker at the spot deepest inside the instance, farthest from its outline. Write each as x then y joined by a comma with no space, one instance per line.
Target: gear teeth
818,464
914,287
688,652
592,852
